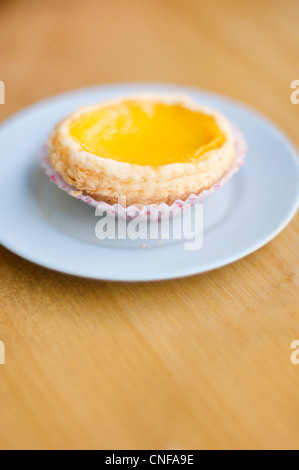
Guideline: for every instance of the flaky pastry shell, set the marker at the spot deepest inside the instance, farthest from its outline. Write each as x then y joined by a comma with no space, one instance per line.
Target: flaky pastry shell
107,180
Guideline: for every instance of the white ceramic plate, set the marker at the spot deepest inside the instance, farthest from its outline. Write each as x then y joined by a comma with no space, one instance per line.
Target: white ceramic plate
46,226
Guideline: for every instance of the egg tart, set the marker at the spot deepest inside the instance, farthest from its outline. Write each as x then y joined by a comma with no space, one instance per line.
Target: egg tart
148,149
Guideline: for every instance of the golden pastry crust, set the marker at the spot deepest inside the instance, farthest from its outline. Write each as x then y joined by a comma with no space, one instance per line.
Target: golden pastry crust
107,180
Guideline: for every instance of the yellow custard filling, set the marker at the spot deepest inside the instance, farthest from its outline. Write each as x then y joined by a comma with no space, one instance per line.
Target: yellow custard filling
147,133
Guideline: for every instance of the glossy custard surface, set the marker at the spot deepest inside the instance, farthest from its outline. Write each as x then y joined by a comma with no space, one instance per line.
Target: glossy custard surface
147,133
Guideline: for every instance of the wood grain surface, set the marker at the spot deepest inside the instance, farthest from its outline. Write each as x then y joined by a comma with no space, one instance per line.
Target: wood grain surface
202,362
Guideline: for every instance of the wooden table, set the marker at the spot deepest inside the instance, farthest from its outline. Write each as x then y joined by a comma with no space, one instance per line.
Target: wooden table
202,362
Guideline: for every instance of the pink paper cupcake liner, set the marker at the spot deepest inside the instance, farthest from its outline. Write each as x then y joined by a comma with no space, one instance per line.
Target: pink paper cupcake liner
153,210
